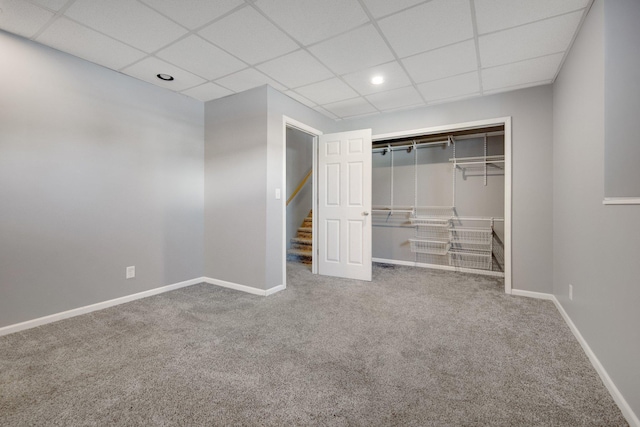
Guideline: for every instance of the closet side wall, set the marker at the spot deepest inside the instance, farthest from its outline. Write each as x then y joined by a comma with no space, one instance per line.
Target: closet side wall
531,111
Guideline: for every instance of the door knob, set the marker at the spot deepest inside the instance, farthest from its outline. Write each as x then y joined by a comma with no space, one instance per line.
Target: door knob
365,213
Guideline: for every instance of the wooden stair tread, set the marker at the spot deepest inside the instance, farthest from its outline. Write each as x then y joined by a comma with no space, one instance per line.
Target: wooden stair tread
302,240
299,252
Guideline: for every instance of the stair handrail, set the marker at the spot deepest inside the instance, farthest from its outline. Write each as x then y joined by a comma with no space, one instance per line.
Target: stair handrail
299,187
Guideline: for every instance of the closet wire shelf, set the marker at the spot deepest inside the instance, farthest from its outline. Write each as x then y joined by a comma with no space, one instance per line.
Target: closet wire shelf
430,247
474,260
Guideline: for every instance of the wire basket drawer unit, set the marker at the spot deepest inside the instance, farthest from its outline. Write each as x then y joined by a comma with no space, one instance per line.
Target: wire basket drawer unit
472,239
432,229
432,247
432,259
475,260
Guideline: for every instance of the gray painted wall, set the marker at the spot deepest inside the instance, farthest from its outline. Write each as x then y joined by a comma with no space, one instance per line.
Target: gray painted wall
235,198
595,247
621,98
299,162
98,171
531,112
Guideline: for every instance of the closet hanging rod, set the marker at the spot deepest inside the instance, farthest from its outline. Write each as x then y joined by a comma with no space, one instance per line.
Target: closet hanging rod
408,146
404,144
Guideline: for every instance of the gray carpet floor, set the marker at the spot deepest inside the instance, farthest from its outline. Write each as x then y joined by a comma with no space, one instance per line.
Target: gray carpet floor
414,347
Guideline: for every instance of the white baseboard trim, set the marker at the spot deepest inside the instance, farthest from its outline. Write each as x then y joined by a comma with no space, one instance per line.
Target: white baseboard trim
10,329
626,410
531,294
438,267
244,288
628,413
275,289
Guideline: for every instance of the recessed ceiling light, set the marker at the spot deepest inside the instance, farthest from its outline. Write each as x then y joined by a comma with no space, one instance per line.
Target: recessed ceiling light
165,77
377,80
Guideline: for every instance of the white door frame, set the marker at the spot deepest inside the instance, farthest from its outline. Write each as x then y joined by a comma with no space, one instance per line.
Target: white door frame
506,121
315,133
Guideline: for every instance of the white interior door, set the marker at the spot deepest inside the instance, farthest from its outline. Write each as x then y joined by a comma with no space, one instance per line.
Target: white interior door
344,204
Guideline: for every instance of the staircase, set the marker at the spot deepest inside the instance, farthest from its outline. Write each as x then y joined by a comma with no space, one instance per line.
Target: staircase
301,244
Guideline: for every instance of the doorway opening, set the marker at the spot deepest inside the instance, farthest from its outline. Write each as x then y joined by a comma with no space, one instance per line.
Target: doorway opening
299,203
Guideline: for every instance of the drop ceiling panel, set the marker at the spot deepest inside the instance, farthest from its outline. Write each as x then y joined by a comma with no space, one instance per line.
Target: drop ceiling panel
327,91
358,49
529,41
519,73
452,87
193,13
73,38
428,26
351,107
247,79
397,98
444,62
51,4
207,92
310,21
380,8
495,15
148,68
262,42
200,57
128,21
295,69
394,77
22,18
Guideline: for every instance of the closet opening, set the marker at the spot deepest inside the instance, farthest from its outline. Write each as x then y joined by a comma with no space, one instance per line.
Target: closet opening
441,198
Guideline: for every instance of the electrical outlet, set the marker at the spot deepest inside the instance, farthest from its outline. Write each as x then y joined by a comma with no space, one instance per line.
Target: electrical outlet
571,292
131,272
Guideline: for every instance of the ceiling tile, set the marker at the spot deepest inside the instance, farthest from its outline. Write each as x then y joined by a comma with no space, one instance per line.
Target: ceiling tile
263,42
148,68
524,72
22,18
394,77
301,99
380,8
207,92
516,87
350,107
355,50
452,87
295,69
51,4
428,26
247,79
444,62
331,90
529,41
200,57
128,21
73,38
397,98
310,21
494,15
193,13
